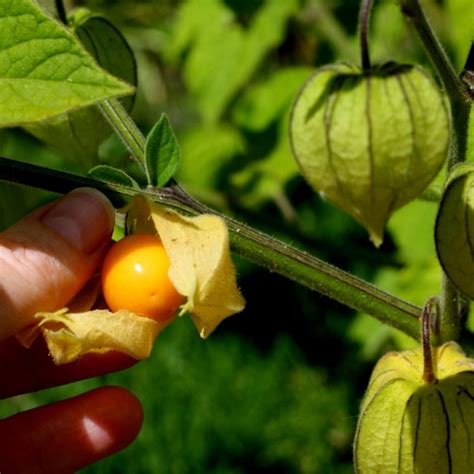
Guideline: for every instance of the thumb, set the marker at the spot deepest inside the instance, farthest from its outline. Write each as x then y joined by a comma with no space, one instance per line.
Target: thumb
47,257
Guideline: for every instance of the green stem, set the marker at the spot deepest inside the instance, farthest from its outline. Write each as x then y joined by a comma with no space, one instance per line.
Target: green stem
127,131
460,101
429,375
257,247
364,21
61,11
417,16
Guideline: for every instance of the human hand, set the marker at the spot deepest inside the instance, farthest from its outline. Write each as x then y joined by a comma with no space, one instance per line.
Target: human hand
45,259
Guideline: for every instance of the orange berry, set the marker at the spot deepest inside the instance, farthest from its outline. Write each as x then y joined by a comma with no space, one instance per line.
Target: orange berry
135,277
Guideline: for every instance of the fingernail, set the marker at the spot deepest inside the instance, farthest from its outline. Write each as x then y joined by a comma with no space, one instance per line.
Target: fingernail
84,217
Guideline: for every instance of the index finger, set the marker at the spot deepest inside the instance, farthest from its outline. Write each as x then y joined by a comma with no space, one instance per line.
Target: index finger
27,370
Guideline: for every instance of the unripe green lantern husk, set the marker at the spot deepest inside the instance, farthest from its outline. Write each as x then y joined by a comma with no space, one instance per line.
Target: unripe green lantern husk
407,425
454,230
369,142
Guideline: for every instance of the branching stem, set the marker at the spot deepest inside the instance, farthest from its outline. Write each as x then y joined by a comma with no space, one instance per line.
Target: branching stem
460,99
256,246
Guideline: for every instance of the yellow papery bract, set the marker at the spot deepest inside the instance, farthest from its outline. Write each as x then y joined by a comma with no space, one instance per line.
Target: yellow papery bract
201,267
71,335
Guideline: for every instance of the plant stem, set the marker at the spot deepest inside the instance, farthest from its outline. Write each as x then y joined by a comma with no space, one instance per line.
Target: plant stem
255,246
127,130
460,101
61,11
364,20
428,370
417,16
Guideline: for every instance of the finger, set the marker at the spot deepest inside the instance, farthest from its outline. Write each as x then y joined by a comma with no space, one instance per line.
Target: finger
29,370
49,255
66,436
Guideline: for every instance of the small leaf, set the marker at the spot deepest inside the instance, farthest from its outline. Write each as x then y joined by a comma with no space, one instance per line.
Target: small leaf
201,267
44,71
109,174
71,335
162,152
454,231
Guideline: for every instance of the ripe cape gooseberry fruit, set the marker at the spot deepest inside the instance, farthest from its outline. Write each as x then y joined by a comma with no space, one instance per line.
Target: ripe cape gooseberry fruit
369,141
135,277
407,425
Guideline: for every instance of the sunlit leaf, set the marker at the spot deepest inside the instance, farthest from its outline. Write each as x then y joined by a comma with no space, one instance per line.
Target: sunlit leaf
43,69
224,55
78,134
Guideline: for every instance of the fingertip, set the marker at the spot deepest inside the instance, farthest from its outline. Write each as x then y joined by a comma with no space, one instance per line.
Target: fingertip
118,422
69,435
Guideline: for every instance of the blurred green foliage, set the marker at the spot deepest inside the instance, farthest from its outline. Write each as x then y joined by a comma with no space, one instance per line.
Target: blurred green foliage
275,389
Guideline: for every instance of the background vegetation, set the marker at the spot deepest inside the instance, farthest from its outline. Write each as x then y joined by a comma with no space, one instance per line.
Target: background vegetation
275,389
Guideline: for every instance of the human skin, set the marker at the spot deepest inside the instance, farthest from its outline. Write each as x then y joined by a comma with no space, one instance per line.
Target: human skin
45,259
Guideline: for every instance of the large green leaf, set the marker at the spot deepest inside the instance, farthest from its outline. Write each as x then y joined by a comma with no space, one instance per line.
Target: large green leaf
78,134
224,55
44,71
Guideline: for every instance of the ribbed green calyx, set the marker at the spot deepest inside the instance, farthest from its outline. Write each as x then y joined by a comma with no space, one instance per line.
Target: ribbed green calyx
407,425
370,142
454,231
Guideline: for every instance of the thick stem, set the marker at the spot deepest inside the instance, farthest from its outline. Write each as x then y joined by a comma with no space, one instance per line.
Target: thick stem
460,103
364,21
257,247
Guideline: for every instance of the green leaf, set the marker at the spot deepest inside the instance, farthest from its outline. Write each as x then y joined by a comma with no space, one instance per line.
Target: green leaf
265,102
162,154
109,174
224,55
206,151
78,134
43,69
460,25
265,179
